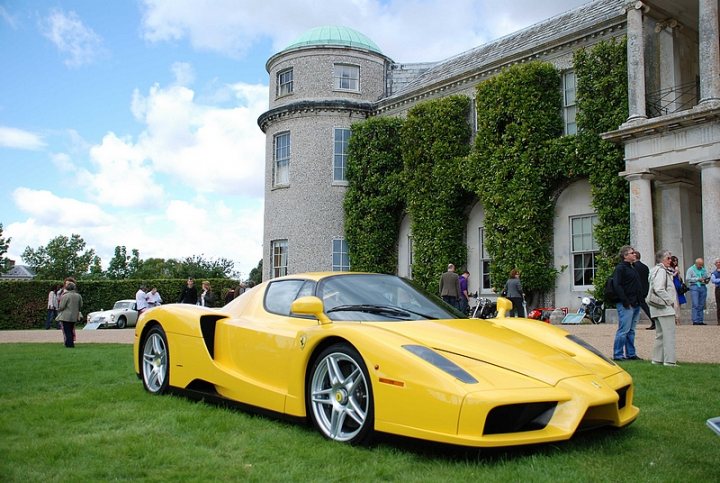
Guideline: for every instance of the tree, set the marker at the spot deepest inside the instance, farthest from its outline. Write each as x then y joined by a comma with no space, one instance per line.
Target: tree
256,274
4,245
118,266
61,257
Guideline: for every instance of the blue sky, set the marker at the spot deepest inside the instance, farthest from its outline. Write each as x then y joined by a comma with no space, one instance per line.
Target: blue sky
134,122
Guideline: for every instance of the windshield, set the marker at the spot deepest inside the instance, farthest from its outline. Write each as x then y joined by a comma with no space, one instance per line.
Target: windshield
124,305
378,297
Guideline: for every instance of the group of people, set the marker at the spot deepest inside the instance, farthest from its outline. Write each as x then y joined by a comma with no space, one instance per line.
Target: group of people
659,293
454,291
64,307
190,295
454,288
146,300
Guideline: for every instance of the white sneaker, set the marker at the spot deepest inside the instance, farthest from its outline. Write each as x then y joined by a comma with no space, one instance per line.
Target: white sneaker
670,364
657,363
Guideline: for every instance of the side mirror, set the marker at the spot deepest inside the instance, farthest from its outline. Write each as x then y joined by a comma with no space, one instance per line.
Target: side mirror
310,305
503,307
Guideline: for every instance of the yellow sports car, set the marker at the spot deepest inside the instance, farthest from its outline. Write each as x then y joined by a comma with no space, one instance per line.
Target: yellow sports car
357,353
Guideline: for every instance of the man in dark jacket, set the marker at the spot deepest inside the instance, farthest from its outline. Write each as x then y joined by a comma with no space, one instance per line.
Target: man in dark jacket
628,289
644,273
189,294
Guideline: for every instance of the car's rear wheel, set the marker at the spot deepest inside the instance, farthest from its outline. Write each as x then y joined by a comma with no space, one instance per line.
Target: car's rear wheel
122,323
339,395
155,363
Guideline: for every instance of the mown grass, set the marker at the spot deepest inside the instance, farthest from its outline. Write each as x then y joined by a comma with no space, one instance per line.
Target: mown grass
82,415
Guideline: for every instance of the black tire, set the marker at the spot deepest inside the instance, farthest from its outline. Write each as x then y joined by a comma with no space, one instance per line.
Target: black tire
155,361
122,322
339,397
596,315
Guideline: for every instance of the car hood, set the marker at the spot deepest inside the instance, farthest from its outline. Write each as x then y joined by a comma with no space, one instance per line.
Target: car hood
490,343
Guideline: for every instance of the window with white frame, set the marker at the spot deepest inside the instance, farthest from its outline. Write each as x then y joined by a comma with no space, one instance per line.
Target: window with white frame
342,136
485,259
340,257
347,77
281,175
279,258
569,102
584,249
284,82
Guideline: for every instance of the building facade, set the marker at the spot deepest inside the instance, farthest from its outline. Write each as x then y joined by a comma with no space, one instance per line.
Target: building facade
333,76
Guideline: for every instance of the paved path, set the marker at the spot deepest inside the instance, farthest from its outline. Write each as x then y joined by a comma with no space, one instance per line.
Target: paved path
694,343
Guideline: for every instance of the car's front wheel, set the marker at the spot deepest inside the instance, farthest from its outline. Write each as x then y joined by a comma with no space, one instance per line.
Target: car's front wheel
339,395
155,364
122,323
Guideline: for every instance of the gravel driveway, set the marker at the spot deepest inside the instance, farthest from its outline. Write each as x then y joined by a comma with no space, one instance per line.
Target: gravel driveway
694,343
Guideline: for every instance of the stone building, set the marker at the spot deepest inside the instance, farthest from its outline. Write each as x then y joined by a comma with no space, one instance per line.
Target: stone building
333,76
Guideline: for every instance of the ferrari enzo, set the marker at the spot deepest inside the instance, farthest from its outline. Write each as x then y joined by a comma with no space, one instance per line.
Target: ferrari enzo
359,353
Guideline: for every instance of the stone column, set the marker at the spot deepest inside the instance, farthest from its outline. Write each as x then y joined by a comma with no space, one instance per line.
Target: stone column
673,217
636,62
709,37
641,214
710,174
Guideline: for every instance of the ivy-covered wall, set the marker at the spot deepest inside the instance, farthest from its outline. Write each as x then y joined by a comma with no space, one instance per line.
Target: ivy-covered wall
518,164
435,140
375,199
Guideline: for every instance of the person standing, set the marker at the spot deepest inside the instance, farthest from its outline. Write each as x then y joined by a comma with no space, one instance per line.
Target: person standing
644,273
662,297
626,283
715,279
207,297
189,294
154,298
450,286
464,296
697,278
514,290
141,300
69,313
52,305
678,282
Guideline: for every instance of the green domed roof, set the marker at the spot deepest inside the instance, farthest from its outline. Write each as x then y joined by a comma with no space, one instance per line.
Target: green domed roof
334,35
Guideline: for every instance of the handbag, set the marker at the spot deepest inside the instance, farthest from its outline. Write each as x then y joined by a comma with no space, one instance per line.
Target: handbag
683,288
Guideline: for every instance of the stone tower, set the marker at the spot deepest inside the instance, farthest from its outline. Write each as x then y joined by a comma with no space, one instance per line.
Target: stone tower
319,85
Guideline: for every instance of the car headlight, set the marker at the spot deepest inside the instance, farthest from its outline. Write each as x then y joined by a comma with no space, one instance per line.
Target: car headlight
587,346
441,363
112,318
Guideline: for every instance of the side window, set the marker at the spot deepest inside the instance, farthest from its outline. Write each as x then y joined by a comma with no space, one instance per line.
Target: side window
284,82
347,77
280,295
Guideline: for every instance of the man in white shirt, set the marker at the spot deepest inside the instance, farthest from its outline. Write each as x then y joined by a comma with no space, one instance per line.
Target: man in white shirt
154,298
141,300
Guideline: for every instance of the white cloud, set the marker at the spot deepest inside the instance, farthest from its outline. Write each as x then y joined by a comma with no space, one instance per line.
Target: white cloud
17,138
52,210
72,38
184,73
207,148
122,177
405,30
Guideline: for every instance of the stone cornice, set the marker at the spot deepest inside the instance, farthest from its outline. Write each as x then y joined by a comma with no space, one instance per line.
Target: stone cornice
647,127
330,105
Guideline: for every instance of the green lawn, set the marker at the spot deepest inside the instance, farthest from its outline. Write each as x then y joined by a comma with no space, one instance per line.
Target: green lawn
82,415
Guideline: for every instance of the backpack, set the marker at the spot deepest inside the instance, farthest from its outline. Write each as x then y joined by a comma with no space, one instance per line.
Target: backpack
609,294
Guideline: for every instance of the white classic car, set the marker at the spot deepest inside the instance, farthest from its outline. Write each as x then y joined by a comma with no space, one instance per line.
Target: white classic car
123,314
